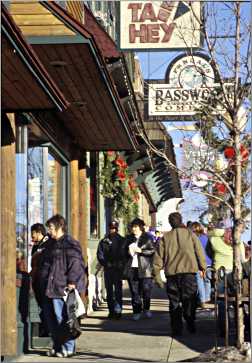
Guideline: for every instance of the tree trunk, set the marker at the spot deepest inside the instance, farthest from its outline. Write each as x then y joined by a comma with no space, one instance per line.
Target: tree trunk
237,268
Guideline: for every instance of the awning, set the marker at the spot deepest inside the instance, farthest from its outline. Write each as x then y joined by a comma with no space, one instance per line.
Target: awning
117,66
95,118
26,85
154,173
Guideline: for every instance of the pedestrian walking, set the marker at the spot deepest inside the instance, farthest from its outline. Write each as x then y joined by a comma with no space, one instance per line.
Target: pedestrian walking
63,268
203,280
40,242
181,256
139,250
110,254
220,249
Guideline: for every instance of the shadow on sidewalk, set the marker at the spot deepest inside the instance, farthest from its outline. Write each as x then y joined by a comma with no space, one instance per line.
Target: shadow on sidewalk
158,326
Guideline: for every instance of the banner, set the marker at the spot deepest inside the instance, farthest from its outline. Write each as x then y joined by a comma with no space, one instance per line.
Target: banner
159,25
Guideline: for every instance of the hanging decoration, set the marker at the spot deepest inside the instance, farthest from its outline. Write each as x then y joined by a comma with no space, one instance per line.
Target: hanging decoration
220,188
200,179
119,186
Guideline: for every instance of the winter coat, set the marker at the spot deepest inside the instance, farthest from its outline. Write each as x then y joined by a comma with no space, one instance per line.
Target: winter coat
179,251
221,252
145,257
110,252
63,265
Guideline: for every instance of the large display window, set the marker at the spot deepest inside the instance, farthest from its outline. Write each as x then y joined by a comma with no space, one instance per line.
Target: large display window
41,188
47,185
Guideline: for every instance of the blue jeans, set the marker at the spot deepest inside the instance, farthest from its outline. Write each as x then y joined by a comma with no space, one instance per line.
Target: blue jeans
55,314
204,288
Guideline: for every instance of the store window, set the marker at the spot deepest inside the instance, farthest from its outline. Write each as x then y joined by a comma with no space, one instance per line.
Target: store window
47,184
21,199
41,186
93,195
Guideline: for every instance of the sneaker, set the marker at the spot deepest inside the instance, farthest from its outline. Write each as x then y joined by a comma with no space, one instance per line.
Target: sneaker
51,353
136,316
148,314
64,354
117,309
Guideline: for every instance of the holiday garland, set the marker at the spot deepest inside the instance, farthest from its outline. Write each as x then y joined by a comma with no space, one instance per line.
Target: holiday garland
119,186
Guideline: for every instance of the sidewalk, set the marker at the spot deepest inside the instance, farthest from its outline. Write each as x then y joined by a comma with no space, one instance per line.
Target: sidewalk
147,340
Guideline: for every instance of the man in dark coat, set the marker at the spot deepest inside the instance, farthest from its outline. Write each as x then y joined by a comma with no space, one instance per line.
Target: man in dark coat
139,248
110,256
63,268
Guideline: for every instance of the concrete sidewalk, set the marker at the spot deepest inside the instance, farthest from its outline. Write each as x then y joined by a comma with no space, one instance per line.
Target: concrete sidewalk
146,340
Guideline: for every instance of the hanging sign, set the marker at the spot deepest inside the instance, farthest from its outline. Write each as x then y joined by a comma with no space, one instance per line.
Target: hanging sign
191,84
159,25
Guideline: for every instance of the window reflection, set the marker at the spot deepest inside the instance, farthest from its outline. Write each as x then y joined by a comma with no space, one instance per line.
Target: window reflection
56,187
21,198
46,187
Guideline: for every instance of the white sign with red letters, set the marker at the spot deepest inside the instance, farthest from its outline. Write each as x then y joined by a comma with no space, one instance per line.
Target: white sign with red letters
159,25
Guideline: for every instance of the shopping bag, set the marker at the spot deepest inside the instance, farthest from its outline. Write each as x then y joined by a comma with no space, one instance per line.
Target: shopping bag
80,307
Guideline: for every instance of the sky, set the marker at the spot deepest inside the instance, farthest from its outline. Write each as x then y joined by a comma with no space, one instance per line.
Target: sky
154,65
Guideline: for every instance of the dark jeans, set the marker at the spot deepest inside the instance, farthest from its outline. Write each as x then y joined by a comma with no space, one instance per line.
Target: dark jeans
140,289
113,285
182,290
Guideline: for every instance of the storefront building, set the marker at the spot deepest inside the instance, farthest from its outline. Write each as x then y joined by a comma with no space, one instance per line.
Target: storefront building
55,84
67,96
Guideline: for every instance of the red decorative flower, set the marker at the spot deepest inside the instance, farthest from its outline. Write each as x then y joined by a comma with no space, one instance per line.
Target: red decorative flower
121,163
220,188
121,175
229,152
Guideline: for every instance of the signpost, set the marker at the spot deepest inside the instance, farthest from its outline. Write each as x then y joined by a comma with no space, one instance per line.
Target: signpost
190,85
159,25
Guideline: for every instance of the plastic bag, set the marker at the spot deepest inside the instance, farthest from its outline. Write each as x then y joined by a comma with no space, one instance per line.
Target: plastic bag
80,307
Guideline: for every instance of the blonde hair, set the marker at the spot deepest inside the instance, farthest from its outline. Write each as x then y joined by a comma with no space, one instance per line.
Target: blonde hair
197,228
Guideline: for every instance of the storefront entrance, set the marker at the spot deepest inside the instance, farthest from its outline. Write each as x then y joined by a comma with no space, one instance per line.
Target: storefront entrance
42,174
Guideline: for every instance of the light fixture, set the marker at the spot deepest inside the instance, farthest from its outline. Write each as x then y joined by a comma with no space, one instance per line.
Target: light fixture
80,104
58,64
